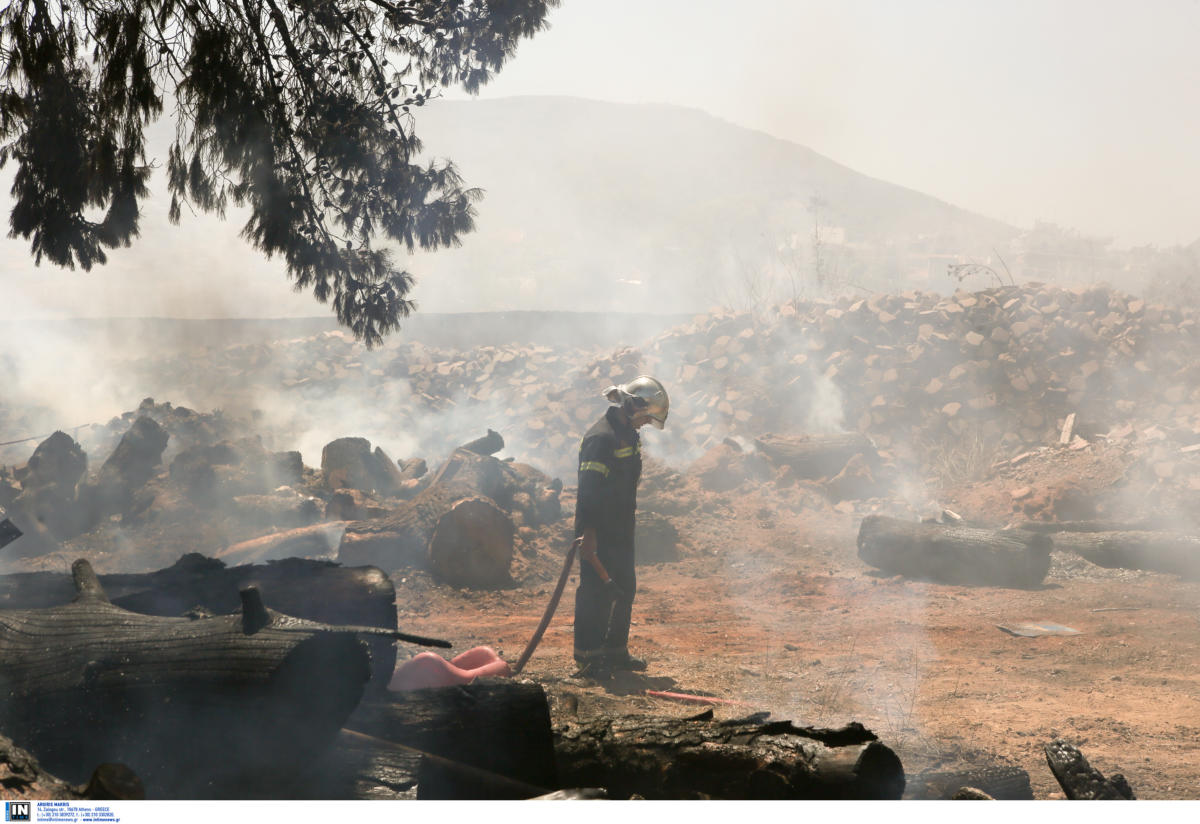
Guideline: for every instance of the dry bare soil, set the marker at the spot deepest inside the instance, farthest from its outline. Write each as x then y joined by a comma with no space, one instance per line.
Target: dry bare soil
771,609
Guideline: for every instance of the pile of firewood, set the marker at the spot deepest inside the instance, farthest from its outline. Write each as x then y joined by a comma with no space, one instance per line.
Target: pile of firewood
1008,364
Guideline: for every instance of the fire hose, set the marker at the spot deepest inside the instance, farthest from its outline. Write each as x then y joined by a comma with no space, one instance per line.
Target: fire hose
554,599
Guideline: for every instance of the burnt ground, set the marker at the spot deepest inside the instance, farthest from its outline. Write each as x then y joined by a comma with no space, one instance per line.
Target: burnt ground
771,607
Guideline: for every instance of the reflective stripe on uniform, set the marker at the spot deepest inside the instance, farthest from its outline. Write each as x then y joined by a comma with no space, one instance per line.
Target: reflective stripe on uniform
595,466
628,451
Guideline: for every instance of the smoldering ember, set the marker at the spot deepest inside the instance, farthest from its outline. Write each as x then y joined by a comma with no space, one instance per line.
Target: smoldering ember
899,546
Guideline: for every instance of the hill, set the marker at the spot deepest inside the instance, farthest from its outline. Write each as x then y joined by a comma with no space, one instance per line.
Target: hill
653,207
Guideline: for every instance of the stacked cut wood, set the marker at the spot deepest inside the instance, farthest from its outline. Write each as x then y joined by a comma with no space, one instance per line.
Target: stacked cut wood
953,554
1009,364
462,525
1006,365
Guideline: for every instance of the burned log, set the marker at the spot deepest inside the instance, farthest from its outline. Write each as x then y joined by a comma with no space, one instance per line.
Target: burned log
482,474
815,457
401,539
1053,527
8,530
314,590
1158,551
472,544
697,758
249,697
1079,779
488,739
350,463
1001,782
465,539
489,444
948,554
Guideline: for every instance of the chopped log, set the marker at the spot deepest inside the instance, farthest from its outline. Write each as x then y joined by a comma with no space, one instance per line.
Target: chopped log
949,554
318,541
815,457
497,726
676,758
472,545
253,696
489,444
128,468
482,474
1158,551
1080,780
314,590
401,539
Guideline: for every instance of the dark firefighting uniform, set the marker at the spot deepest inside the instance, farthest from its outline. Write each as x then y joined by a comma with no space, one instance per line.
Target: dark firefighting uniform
610,464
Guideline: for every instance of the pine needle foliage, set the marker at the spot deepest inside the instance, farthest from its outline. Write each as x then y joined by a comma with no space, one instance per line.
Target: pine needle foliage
299,110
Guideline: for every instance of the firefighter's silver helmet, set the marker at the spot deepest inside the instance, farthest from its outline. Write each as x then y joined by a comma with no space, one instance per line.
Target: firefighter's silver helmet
642,394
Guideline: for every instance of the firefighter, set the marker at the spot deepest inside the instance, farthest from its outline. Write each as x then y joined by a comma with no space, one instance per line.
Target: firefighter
610,464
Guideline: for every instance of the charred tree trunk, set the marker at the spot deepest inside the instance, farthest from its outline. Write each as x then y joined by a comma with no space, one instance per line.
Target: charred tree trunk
1054,527
811,458
488,739
954,554
314,590
1079,779
1158,551
206,707
674,758
1000,782
466,540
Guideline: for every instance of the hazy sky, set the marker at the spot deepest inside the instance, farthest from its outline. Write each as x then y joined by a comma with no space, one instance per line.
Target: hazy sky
1080,112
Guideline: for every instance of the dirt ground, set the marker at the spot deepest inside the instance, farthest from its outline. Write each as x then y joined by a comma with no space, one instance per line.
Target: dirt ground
770,608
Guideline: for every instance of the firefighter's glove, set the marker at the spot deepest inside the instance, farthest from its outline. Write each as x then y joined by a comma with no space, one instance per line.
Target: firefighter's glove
615,593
